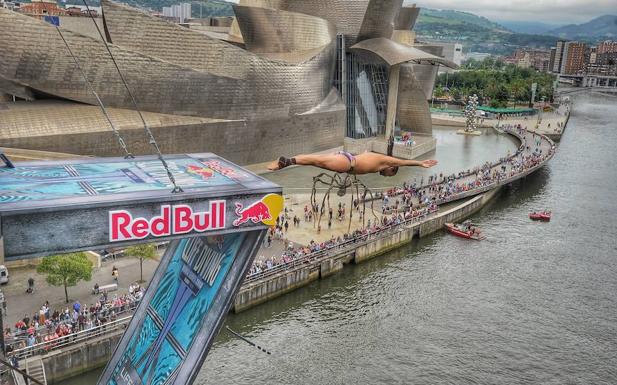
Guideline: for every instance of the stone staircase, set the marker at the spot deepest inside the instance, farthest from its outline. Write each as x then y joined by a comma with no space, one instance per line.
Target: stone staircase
35,369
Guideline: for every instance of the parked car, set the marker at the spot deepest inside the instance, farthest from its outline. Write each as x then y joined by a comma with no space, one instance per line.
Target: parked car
4,275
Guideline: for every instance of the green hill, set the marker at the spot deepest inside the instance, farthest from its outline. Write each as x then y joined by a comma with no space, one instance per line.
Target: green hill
477,34
600,28
452,17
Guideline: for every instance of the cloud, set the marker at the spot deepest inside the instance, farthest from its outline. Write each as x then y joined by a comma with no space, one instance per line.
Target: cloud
547,11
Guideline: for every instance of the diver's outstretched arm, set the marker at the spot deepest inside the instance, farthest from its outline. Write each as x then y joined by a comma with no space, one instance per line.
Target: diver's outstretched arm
394,162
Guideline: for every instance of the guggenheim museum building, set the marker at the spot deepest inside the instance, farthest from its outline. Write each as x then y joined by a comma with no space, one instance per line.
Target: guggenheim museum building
288,77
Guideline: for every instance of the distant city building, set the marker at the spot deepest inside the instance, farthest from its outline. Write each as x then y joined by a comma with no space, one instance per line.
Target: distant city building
607,58
607,47
574,58
477,56
559,55
452,52
41,8
593,55
181,13
531,58
82,10
590,66
606,53
551,62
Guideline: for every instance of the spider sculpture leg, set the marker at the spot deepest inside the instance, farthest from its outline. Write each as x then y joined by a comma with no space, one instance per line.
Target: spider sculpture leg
331,182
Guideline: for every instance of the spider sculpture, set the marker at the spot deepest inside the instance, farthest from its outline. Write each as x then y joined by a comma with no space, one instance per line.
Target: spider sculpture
340,183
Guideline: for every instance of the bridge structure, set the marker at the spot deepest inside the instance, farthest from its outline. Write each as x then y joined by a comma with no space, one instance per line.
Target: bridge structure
595,81
214,226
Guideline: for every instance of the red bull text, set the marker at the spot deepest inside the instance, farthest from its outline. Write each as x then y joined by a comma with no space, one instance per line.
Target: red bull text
174,220
256,213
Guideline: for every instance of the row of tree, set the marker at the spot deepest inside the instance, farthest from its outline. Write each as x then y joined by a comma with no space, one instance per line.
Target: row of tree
496,83
68,269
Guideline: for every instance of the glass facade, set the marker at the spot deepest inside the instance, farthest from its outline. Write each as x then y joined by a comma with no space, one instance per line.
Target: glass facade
365,91
363,83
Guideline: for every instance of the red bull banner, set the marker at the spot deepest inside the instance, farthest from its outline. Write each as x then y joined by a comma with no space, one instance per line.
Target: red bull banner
181,219
174,220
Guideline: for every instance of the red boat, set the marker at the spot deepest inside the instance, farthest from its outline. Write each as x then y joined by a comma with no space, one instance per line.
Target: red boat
544,216
465,230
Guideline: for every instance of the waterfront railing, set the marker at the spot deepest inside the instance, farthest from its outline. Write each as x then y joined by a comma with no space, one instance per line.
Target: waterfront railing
71,339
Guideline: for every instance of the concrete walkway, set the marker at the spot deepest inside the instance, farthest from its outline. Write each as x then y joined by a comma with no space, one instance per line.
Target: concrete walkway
307,231
546,124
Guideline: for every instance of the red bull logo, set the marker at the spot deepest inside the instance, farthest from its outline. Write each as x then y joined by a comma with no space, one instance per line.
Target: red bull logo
257,212
174,220
203,172
264,211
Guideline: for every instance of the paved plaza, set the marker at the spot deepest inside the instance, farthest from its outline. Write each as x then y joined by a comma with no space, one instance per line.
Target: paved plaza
19,303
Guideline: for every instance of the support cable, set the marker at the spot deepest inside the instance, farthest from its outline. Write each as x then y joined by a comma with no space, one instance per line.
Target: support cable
147,130
241,337
128,154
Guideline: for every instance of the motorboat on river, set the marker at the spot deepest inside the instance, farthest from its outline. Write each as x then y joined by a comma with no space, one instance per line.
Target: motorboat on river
544,216
465,230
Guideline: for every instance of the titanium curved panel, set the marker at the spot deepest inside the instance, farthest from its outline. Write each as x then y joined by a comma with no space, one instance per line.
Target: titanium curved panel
396,53
379,19
12,88
346,15
266,30
406,19
413,109
81,129
33,54
427,74
137,31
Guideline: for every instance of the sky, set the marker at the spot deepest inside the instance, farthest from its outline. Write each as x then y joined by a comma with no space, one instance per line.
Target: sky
557,12
546,11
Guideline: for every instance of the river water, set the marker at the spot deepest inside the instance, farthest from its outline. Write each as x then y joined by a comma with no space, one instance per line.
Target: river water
534,303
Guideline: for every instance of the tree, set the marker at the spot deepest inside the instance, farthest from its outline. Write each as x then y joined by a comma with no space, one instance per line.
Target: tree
145,251
66,270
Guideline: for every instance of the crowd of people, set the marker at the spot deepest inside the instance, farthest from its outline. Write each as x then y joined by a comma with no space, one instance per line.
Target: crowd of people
312,250
409,202
47,324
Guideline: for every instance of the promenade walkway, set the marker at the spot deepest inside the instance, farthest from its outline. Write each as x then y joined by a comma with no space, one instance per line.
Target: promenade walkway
546,123
416,204
441,189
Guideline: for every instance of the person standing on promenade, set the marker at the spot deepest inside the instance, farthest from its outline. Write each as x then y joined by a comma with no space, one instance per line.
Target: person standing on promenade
115,273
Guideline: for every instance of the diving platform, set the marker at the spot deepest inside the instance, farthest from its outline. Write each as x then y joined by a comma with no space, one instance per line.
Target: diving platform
215,226
52,207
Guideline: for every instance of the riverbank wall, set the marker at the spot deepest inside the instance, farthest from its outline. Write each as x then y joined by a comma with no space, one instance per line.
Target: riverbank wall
77,359
257,292
451,121
556,136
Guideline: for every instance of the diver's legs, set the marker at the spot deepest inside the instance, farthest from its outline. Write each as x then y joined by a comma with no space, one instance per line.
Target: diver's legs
332,162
